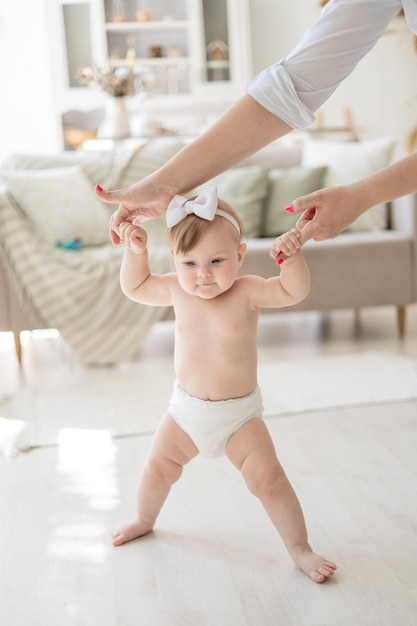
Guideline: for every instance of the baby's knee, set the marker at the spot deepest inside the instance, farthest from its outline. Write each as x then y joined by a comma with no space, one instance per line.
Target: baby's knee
162,471
266,482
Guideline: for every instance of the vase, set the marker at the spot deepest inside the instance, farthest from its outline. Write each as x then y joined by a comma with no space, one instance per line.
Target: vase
115,124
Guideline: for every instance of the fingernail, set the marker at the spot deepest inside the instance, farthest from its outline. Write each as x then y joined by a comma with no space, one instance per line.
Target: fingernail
99,188
279,261
289,208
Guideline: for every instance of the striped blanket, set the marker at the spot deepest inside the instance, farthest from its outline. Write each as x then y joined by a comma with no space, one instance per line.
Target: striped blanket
76,291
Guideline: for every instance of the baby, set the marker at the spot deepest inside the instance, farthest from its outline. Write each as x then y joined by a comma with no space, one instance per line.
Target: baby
216,405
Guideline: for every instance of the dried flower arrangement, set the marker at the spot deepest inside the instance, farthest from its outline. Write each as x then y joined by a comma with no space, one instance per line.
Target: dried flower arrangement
116,81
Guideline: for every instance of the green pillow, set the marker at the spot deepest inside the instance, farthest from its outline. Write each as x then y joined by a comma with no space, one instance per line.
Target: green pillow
284,187
245,189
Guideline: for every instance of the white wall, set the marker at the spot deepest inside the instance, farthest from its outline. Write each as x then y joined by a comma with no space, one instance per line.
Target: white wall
27,116
381,93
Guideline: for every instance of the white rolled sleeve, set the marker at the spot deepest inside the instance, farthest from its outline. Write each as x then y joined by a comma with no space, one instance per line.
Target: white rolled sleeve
295,87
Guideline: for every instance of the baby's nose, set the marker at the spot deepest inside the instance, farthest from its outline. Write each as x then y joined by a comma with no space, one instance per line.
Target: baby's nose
204,270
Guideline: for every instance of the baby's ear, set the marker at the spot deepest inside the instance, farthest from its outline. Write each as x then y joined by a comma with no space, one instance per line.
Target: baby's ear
241,252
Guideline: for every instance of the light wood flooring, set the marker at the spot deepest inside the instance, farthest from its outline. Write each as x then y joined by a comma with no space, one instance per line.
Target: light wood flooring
214,558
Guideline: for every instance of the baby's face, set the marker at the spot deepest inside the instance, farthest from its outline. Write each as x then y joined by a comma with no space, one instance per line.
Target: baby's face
210,268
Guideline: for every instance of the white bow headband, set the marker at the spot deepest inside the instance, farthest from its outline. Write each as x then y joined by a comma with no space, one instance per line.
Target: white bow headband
204,206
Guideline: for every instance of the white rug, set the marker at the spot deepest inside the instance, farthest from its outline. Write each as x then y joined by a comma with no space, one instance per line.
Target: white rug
131,399
337,381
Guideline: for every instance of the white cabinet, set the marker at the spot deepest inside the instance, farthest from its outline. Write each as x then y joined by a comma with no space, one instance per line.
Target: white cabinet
193,49
157,39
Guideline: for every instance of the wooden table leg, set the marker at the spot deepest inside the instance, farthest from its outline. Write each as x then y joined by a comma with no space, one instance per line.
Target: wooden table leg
18,347
401,320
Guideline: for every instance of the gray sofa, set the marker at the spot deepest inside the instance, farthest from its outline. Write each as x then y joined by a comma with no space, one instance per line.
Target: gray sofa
360,268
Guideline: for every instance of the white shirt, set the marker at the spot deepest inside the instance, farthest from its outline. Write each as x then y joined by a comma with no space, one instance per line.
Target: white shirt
331,48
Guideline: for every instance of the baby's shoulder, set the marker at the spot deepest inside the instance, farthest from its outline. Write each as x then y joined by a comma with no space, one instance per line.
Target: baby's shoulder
249,281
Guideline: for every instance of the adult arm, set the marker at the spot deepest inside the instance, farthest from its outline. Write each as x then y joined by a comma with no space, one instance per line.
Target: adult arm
295,87
329,211
283,97
242,130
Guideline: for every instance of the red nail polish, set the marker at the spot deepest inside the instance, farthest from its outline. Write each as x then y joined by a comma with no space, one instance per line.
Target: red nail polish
99,188
279,261
289,208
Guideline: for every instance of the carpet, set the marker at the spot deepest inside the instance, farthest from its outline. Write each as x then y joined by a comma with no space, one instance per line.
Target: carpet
337,381
130,400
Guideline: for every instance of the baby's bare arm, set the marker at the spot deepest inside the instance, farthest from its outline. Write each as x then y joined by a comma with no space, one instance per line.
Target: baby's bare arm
295,277
136,280
293,283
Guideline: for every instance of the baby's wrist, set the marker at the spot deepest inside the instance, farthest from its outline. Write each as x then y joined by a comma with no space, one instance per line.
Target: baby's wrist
138,251
292,258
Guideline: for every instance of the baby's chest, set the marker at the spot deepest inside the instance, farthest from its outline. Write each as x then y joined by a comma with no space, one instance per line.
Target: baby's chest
214,321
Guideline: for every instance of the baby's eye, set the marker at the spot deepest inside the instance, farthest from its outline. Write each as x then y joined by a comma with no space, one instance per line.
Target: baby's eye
189,263
217,261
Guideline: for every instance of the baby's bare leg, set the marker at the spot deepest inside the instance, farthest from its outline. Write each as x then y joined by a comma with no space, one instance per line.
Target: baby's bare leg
171,450
252,451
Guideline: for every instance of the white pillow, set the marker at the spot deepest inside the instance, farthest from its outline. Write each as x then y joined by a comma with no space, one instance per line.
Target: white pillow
61,203
348,162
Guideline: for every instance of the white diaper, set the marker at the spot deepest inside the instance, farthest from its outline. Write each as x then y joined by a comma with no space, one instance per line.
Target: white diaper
210,424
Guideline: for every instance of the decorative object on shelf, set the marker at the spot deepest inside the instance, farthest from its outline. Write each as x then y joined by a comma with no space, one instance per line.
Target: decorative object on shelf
131,51
155,52
116,81
115,124
143,13
118,11
175,51
217,60
217,50
144,122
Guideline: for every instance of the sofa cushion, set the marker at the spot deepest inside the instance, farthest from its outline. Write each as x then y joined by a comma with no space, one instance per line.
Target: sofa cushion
284,186
283,153
348,162
61,203
97,167
142,158
245,189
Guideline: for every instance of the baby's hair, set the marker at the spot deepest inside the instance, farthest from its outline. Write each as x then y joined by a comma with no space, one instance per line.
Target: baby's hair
185,235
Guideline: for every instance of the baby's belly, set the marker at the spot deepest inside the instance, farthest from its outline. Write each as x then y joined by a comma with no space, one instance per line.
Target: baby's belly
217,376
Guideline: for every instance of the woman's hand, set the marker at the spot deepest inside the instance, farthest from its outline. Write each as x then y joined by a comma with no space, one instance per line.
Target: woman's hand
137,203
327,212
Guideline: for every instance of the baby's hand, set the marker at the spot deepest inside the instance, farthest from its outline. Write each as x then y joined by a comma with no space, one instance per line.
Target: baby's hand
286,245
134,236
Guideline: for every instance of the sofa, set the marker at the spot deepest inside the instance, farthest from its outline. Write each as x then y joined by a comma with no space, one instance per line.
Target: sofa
59,270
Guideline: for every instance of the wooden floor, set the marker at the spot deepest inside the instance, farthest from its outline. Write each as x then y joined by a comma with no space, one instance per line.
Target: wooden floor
215,559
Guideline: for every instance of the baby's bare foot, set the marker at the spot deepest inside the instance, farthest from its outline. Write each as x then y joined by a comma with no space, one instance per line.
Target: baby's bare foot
314,565
130,531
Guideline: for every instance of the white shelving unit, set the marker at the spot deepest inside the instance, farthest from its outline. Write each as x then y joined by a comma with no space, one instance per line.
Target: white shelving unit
168,51
160,50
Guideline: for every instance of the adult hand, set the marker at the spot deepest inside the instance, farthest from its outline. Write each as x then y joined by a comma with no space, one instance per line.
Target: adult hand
138,203
327,211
